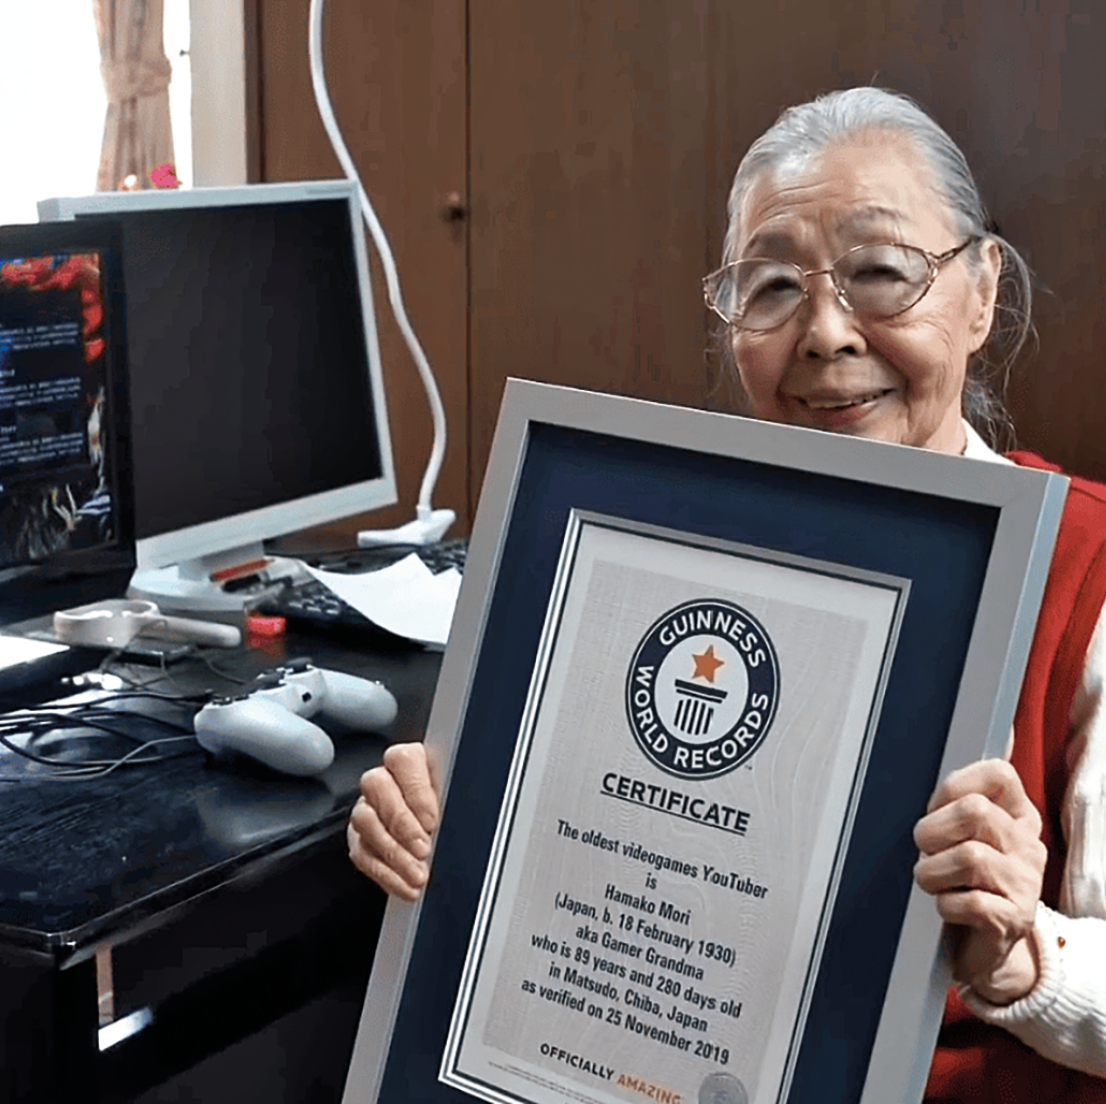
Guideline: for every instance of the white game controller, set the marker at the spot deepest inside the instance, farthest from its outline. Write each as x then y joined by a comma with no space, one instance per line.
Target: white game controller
269,722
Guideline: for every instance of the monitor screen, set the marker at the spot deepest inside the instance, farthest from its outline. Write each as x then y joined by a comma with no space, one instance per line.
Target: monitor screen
64,484
258,402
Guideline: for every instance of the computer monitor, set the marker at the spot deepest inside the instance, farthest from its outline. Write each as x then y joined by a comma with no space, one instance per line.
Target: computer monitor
65,507
256,388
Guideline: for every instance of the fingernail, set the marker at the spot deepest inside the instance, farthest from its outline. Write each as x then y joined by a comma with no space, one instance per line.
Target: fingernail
420,849
995,792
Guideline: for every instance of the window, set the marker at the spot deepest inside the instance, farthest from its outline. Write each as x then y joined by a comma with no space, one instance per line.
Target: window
52,121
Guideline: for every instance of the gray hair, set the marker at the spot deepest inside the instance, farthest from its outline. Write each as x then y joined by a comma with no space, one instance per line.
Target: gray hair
807,129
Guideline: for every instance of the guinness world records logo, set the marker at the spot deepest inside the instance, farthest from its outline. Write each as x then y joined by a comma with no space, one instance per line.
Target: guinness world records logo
702,688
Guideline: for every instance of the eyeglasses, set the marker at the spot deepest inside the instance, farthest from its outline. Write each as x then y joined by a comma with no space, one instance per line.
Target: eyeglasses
875,281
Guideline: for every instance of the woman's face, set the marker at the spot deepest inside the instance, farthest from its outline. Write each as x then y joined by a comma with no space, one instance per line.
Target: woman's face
896,379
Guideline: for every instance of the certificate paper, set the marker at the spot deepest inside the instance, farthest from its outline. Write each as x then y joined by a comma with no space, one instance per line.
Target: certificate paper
679,804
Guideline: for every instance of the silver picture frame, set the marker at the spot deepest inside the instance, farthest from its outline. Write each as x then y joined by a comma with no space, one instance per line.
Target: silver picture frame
958,549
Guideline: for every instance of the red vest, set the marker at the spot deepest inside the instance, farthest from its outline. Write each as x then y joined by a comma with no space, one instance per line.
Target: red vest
976,1063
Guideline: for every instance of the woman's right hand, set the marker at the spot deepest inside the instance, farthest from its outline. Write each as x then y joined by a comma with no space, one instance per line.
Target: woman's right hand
390,827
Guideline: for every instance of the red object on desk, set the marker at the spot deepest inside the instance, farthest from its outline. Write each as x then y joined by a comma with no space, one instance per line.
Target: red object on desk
258,624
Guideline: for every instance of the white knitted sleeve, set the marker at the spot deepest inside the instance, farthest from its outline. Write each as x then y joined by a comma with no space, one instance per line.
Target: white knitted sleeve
1064,1016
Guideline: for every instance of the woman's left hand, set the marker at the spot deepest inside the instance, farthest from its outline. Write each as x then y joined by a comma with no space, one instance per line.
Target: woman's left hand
983,861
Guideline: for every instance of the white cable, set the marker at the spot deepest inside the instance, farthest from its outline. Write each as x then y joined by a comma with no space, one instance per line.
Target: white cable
430,524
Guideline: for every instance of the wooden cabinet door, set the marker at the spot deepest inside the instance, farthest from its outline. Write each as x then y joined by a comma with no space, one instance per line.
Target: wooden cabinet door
396,73
604,136
595,187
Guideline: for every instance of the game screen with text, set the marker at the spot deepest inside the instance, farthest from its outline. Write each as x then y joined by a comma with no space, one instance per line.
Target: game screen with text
56,490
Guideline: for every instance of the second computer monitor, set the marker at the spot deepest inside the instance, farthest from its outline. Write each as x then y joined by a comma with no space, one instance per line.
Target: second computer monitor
257,396
64,472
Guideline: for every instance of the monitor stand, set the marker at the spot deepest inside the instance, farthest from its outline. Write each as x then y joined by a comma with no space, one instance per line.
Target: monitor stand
199,586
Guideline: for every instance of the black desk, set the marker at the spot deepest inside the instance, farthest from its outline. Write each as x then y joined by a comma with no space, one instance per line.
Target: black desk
221,901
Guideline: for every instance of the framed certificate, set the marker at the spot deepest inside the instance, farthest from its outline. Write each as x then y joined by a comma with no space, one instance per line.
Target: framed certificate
704,674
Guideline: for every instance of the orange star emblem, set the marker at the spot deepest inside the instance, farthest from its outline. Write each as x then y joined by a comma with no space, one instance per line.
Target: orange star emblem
706,664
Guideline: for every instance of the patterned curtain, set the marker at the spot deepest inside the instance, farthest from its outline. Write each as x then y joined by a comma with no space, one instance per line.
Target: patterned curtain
138,136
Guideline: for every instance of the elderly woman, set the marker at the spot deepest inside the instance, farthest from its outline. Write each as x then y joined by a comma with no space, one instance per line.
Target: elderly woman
863,293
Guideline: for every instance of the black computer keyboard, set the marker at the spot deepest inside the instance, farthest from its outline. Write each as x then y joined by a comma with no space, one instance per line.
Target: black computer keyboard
438,556
309,604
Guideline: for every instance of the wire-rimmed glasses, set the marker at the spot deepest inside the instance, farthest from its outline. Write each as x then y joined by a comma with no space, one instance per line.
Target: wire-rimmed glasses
878,280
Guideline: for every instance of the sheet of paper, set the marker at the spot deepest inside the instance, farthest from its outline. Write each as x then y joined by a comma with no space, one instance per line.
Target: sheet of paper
406,598
19,649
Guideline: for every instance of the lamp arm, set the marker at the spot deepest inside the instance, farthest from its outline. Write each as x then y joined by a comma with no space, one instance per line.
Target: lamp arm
426,515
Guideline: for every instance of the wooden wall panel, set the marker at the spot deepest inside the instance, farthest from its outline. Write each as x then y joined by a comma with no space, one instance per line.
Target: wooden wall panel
590,199
396,72
602,137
